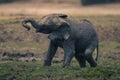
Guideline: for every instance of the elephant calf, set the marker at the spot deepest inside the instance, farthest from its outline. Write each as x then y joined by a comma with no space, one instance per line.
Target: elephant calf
76,39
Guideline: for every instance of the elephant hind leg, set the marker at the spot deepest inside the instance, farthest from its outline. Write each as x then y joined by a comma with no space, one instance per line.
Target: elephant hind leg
81,59
89,57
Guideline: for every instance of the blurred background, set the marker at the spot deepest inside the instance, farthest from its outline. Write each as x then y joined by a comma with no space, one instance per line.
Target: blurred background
76,7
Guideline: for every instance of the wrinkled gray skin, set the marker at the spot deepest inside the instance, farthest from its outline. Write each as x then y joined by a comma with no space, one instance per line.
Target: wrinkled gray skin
76,39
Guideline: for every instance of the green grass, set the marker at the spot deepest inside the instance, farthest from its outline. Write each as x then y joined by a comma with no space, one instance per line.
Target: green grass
108,68
35,71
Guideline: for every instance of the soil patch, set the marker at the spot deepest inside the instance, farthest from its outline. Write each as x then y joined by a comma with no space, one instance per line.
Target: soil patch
16,56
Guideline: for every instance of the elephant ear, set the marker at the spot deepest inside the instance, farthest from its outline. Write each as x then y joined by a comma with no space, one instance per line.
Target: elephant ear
65,31
58,21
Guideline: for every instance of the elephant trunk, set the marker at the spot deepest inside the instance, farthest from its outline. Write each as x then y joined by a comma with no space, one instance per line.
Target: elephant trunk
32,21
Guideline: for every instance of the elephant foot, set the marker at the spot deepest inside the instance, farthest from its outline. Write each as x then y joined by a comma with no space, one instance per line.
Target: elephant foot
93,65
66,65
82,66
47,63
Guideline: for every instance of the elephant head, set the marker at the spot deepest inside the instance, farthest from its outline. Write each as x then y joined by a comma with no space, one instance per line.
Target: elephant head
61,34
47,24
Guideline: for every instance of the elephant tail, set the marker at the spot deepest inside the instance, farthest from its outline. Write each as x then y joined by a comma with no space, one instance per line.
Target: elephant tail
97,49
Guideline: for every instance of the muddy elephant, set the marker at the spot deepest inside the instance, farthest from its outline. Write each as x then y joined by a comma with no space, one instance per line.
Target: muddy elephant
77,39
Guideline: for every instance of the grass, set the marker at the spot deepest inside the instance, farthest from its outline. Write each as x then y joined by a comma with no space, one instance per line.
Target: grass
107,69
24,46
35,71
13,38
102,20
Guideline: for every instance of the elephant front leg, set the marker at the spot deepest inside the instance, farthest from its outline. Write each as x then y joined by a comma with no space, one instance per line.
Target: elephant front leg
69,52
50,54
